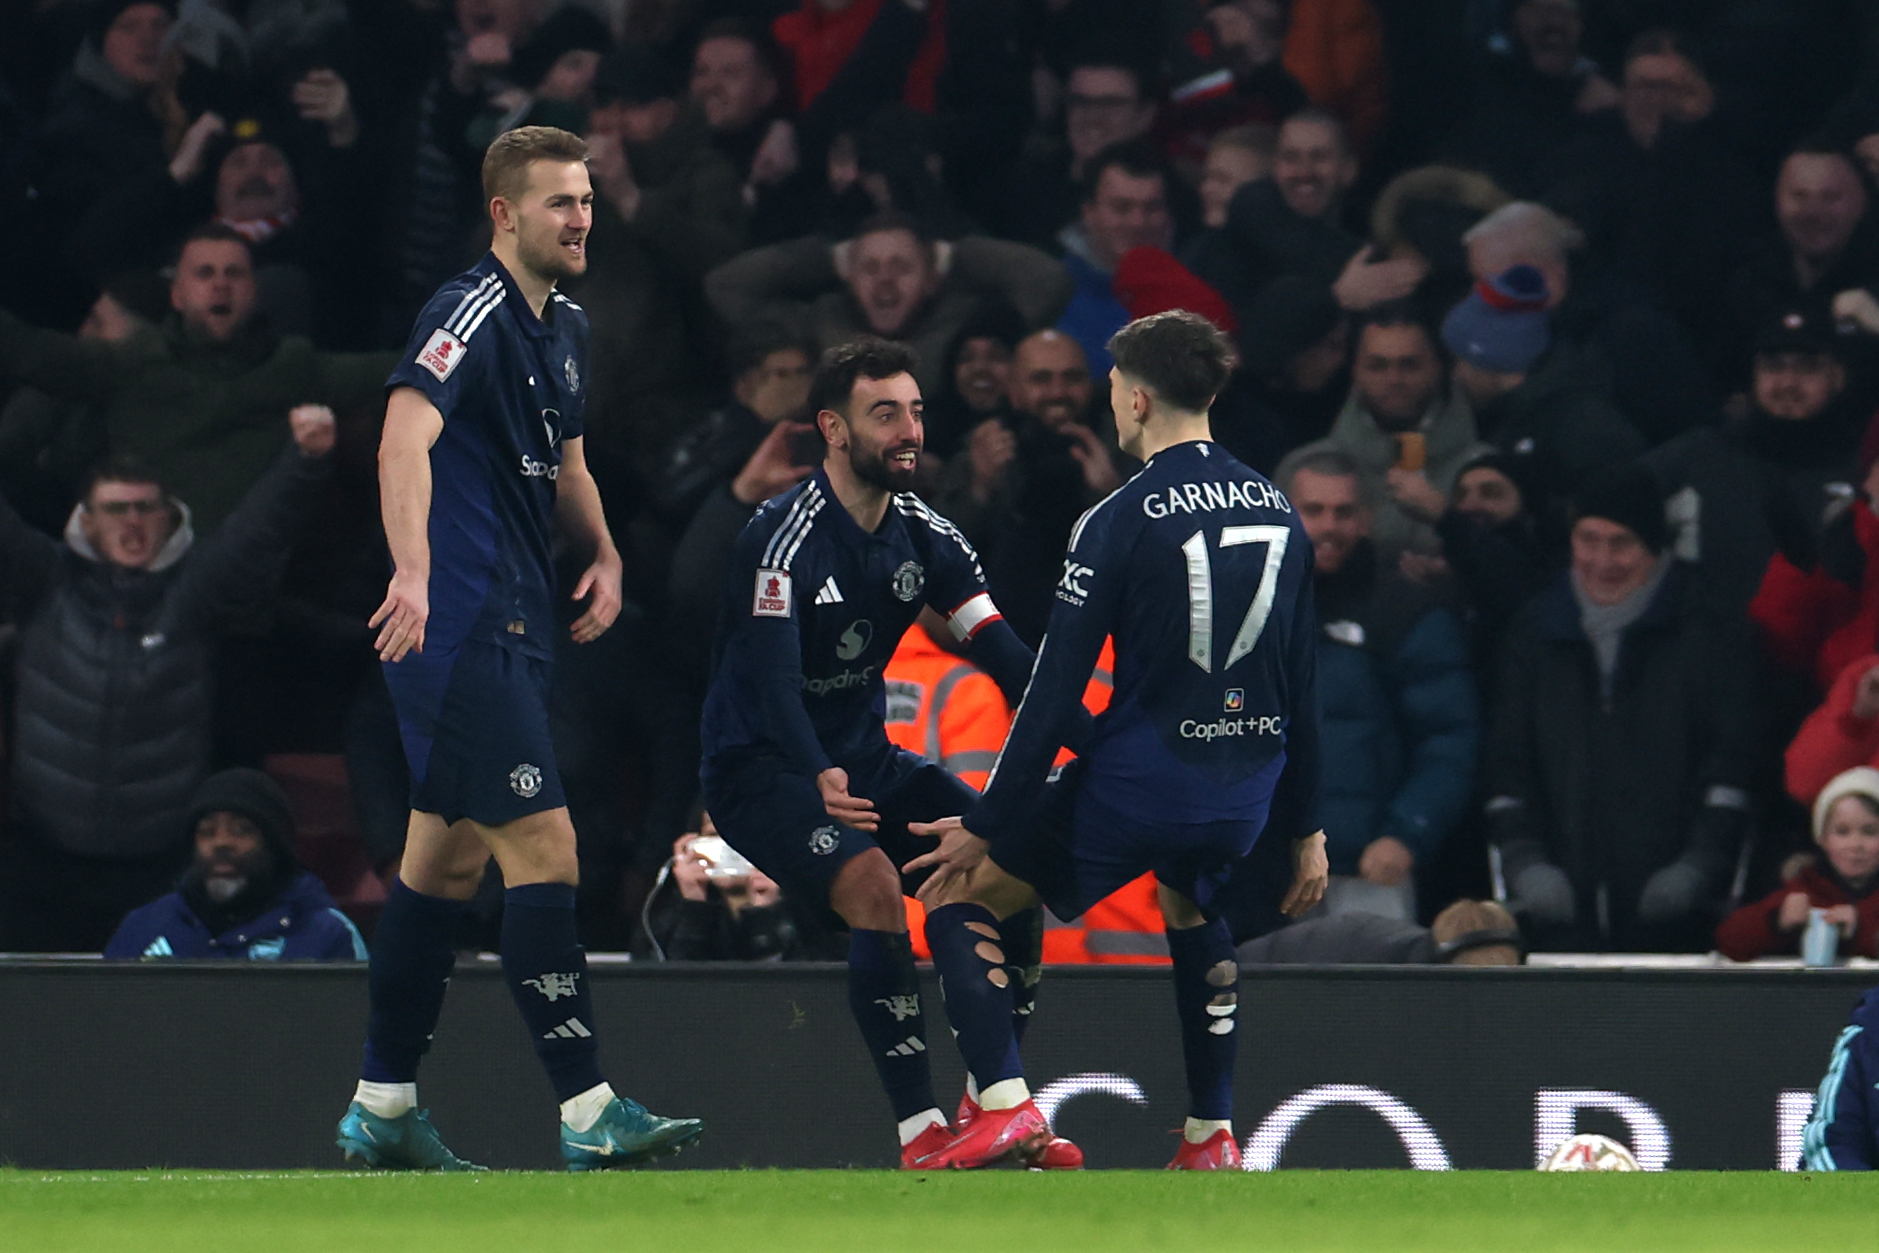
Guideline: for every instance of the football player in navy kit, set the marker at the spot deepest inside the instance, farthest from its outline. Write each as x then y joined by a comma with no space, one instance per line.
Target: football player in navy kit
798,772
482,450
1201,572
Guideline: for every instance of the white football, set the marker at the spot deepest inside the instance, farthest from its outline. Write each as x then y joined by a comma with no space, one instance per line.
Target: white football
1591,1152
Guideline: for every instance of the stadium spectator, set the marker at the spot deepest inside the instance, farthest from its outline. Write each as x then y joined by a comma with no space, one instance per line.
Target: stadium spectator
1422,217
1533,396
1817,613
112,679
1401,722
1774,476
244,895
1534,90
890,279
715,914
204,410
976,380
1125,206
668,207
1617,753
1403,427
1490,543
1334,48
1659,379
1235,157
1841,735
1022,483
734,83
1225,75
1828,242
1467,933
1294,375
1843,880
1105,103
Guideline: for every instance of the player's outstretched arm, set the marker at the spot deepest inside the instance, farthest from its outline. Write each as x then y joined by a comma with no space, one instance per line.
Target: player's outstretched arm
577,500
412,425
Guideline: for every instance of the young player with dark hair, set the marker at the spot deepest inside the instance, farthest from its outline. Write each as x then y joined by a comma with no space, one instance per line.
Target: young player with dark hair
798,772
1202,574
482,449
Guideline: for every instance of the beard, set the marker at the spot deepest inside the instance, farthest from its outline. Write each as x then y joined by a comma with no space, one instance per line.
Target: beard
550,260
223,888
873,467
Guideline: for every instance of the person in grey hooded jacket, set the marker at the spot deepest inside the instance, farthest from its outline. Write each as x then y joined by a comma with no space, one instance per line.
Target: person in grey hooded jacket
113,692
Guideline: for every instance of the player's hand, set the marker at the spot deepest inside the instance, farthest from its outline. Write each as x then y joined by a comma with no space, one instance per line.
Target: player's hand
603,580
1311,872
1386,860
771,470
958,855
851,811
314,429
402,617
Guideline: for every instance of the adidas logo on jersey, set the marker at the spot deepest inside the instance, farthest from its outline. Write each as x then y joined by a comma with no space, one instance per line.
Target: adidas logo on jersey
829,594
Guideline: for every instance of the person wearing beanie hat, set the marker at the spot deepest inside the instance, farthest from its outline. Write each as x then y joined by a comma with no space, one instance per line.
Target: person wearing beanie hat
1493,547
245,895
1772,479
1842,879
1621,742
1534,397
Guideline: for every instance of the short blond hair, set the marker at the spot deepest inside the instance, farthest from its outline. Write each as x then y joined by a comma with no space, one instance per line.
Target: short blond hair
505,165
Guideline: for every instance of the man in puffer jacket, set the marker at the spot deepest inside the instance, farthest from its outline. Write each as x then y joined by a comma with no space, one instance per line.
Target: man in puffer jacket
245,895
113,693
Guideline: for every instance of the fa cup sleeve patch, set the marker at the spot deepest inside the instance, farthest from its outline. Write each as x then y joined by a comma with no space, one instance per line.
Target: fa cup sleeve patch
773,594
441,354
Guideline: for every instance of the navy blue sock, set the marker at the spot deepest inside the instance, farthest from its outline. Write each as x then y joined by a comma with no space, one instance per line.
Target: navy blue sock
1207,998
412,953
884,995
1022,938
977,988
546,967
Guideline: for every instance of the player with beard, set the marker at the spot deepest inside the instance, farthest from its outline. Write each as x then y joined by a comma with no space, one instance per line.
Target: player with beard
798,773
482,450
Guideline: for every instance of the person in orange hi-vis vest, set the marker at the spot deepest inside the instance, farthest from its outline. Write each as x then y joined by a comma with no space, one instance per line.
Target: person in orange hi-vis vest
949,711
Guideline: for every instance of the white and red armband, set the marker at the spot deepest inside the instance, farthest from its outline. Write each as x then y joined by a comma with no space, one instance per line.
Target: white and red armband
968,619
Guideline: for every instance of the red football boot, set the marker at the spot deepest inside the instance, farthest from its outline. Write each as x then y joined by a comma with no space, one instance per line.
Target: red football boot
968,1110
1218,1151
932,1140
996,1134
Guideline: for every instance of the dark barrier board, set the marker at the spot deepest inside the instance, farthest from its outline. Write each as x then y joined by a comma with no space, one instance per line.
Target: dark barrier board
109,1067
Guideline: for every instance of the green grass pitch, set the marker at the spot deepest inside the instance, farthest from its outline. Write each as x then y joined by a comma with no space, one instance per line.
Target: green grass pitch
884,1212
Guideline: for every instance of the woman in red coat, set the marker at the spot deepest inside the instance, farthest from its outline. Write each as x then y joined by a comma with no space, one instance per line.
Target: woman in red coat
1843,880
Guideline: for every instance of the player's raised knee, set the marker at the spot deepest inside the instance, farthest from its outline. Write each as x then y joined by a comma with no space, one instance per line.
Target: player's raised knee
866,893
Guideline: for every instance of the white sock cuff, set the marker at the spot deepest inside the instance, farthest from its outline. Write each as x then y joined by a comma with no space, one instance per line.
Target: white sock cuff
1198,1130
910,1128
387,1100
972,1086
582,1111
1005,1094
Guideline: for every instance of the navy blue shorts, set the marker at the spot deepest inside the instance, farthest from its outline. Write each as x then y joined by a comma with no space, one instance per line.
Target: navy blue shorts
774,816
1074,851
474,720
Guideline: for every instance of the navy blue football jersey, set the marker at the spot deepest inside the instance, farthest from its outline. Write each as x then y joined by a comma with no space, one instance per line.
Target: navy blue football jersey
814,607
511,388
1201,571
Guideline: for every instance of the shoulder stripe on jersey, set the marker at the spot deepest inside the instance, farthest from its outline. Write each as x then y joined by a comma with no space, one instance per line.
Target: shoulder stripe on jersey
1076,532
788,537
569,303
472,300
792,520
913,507
809,519
489,307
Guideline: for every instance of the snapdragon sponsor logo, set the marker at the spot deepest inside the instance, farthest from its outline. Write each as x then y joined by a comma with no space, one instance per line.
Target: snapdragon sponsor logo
1230,728
533,469
840,682
1207,497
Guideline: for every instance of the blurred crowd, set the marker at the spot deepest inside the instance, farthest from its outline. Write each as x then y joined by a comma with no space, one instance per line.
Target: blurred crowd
1558,323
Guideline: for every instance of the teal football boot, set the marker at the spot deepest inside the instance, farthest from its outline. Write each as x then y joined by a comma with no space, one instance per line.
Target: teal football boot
407,1142
626,1135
